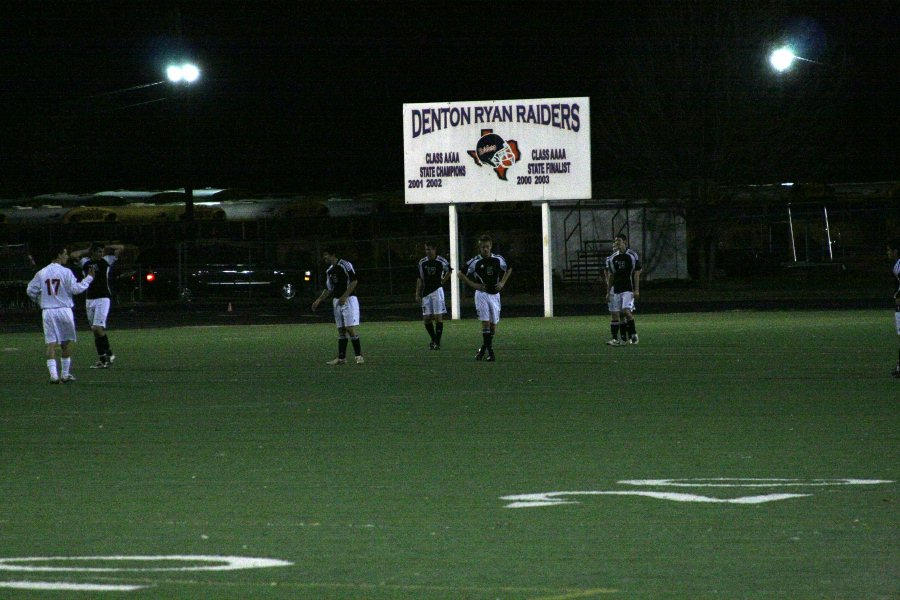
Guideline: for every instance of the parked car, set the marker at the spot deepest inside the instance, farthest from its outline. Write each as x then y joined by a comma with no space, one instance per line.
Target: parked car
221,271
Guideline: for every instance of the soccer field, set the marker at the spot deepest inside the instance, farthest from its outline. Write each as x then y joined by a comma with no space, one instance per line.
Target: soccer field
728,455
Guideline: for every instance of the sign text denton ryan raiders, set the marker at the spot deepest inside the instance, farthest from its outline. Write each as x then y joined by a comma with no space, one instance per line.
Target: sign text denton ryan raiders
561,116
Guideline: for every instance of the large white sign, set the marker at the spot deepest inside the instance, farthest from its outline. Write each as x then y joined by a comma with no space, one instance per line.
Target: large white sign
497,150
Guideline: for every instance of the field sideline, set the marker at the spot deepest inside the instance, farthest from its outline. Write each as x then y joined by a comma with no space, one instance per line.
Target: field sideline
728,455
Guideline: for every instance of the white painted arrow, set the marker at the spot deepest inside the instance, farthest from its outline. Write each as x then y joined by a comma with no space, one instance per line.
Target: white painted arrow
554,498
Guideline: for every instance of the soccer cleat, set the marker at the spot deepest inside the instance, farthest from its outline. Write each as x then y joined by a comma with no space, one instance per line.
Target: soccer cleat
634,339
54,380
896,373
337,361
431,346
490,356
435,346
67,378
110,359
360,360
100,365
614,342
480,354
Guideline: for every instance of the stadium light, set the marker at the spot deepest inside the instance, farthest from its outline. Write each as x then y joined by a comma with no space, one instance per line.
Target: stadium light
186,73
782,59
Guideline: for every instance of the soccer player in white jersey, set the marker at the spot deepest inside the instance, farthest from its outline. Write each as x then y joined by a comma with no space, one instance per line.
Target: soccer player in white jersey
340,280
623,285
434,272
53,287
487,274
893,252
99,295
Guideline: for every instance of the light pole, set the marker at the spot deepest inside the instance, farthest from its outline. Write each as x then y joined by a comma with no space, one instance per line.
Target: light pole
182,76
782,59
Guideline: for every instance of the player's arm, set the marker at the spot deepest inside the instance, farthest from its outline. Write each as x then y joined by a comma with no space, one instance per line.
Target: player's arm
606,278
351,286
446,276
79,287
472,284
502,283
34,288
76,254
637,283
418,289
325,295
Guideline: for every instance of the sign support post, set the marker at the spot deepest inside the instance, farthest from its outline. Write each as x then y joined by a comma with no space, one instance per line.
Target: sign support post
453,225
546,244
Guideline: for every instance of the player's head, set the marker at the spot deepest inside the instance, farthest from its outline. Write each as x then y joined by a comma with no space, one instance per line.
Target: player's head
620,243
59,253
893,248
329,254
97,250
430,249
485,243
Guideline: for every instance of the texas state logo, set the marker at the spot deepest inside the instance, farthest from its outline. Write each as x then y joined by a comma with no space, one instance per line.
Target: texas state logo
493,150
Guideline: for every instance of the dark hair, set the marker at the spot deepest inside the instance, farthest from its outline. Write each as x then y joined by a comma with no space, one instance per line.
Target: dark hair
430,244
485,238
56,250
329,249
97,246
622,237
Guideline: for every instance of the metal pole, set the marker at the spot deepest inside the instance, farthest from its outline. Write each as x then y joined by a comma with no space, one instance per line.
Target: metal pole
828,234
791,226
546,244
453,226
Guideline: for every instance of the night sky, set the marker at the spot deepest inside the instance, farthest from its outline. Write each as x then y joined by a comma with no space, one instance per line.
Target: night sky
307,97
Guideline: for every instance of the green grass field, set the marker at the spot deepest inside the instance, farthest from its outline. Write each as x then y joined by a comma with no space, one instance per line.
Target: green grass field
386,480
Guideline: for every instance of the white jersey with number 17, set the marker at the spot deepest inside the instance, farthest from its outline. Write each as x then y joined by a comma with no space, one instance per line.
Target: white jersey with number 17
54,285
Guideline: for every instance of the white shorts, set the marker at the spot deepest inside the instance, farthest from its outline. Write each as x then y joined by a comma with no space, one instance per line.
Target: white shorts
346,314
620,302
487,306
59,325
434,303
97,311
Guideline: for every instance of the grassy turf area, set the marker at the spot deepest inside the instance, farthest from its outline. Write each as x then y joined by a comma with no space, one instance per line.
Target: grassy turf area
386,480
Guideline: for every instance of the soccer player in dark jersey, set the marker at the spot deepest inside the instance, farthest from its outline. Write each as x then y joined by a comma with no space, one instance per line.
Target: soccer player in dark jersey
893,252
340,286
623,281
487,274
100,258
434,272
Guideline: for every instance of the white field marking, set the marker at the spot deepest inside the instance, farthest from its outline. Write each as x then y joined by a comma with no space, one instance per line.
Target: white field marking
749,482
553,498
222,563
10,349
66,587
